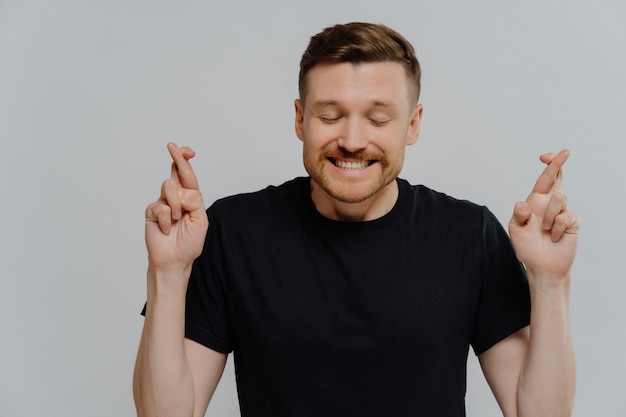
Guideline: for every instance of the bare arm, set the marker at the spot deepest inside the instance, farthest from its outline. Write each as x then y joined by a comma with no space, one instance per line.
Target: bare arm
173,376
533,372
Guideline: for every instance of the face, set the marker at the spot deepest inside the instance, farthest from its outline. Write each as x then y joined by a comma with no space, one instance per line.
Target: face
355,125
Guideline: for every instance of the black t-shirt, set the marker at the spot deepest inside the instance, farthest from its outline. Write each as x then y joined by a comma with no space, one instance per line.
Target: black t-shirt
330,318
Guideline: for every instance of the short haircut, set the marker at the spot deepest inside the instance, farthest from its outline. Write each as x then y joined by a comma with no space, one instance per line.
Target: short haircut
358,43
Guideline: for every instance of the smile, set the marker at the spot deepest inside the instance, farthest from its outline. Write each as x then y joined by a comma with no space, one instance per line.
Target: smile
351,164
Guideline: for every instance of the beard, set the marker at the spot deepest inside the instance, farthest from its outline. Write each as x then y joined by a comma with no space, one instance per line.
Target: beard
351,189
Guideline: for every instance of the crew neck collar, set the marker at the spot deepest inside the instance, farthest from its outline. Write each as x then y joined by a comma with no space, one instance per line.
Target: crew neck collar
382,221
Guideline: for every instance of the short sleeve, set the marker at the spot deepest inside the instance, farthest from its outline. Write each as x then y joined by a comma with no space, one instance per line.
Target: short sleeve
504,305
206,314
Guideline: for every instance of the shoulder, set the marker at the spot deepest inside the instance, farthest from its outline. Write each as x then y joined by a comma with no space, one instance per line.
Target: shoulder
257,203
447,212
436,202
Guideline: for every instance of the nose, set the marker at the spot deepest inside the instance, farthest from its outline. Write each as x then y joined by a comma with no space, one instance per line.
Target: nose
352,136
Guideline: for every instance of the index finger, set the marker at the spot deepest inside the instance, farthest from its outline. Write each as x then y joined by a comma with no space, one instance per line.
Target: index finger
550,178
182,172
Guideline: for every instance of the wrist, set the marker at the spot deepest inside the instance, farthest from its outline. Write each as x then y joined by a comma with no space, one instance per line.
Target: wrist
170,280
548,280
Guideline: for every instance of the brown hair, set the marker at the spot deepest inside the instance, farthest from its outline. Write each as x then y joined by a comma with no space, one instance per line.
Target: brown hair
359,43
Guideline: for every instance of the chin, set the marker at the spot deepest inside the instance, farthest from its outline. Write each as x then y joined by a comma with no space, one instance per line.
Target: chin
351,193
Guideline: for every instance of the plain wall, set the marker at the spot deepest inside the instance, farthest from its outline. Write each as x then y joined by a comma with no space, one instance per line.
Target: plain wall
91,92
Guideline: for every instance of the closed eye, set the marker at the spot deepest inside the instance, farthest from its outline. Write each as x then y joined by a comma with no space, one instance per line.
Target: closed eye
377,122
328,120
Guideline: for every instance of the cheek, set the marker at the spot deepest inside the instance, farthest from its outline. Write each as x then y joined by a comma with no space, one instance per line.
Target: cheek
317,137
311,155
395,154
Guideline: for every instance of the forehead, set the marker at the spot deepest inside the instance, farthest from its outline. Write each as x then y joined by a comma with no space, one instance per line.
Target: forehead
345,82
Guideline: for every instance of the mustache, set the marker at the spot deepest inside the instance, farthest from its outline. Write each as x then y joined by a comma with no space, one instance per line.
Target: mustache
341,153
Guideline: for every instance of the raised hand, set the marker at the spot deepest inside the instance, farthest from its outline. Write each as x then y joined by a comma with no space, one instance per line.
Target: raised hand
543,230
176,224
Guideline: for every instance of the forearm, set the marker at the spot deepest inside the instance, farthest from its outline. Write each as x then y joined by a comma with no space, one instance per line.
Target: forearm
163,384
548,378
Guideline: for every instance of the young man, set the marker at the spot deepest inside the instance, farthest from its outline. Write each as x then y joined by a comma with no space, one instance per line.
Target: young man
351,292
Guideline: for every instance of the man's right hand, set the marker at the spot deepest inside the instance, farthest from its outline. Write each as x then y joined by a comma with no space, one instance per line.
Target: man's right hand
176,224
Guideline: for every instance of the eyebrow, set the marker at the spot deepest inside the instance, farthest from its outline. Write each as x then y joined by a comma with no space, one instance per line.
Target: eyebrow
324,103
327,103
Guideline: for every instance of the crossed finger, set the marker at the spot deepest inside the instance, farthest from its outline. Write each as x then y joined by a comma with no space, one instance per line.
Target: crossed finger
182,172
169,208
550,179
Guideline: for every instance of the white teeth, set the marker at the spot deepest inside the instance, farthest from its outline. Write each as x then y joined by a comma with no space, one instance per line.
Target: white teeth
352,165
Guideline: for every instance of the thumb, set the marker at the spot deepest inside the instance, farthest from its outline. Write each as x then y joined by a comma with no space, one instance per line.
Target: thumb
521,214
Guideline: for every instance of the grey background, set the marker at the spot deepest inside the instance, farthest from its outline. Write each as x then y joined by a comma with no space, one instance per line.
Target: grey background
91,92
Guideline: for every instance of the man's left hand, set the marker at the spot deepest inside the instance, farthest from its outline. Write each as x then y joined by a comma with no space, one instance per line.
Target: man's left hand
543,230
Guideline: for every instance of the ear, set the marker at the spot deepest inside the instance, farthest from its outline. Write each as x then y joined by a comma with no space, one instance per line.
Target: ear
299,119
415,122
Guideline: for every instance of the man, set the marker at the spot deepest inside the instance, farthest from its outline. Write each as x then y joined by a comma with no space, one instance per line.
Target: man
352,292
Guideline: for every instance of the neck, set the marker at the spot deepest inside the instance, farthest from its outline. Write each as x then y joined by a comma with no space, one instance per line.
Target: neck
372,208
